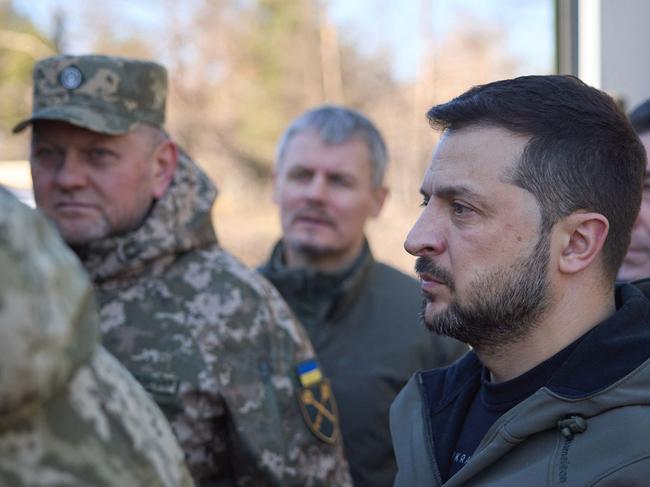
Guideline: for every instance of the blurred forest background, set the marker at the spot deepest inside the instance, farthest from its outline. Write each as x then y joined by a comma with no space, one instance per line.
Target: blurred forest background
241,70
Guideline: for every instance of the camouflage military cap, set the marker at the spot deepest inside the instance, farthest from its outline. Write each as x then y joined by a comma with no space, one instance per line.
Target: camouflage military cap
105,94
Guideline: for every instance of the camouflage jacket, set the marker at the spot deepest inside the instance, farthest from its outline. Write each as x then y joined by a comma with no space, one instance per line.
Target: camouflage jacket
70,414
215,345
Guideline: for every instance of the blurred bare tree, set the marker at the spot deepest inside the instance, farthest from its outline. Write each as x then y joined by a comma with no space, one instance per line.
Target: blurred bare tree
241,70
20,45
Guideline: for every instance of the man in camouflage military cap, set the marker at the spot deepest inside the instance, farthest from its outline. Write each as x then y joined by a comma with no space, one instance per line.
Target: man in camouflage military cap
210,339
70,414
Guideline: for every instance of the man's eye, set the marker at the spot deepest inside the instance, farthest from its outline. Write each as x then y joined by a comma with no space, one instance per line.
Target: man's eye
46,155
99,152
460,209
341,181
299,175
425,202
99,155
44,151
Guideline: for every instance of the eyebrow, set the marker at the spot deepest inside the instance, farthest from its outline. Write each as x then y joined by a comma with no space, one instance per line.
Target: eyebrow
449,192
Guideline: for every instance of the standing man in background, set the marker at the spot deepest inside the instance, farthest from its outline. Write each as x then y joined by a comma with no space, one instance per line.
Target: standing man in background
213,343
361,315
636,264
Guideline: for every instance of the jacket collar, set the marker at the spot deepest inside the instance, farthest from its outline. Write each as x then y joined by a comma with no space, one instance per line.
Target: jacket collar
622,341
582,385
180,221
314,294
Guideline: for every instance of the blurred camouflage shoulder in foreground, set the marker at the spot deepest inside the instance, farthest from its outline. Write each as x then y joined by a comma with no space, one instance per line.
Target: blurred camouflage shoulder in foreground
69,413
215,345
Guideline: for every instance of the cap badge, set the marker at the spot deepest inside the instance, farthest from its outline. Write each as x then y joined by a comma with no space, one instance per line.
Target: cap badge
71,77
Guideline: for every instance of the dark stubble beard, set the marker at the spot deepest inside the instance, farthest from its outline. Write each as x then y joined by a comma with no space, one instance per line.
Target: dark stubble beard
502,306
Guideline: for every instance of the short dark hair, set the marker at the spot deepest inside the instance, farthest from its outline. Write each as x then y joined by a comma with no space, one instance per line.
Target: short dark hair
640,117
583,153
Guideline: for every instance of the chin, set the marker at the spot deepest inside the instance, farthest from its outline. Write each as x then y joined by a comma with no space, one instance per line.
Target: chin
433,310
76,237
311,249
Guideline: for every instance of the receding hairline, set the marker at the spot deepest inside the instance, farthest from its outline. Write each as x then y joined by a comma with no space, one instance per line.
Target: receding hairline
336,125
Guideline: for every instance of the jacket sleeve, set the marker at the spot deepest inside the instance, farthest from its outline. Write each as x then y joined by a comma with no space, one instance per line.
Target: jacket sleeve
270,440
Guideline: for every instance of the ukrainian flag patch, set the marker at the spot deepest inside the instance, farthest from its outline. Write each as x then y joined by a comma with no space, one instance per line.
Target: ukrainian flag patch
317,402
309,373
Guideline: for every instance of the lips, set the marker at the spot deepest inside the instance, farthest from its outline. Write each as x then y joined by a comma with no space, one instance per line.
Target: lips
73,207
429,279
431,274
313,218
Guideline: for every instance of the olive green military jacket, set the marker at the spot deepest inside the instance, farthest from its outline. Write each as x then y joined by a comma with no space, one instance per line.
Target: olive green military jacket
216,346
588,427
70,414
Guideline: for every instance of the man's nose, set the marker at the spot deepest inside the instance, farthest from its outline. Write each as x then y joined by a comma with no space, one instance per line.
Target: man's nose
426,237
72,173
317,188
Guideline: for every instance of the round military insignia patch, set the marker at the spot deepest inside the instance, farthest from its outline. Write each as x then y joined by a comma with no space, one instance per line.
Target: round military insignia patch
319,410
71,77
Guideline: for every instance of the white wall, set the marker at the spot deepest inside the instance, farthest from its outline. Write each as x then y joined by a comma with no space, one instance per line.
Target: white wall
614,47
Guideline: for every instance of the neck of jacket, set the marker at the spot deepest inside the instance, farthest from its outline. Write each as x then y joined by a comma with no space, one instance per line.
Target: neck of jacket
178,222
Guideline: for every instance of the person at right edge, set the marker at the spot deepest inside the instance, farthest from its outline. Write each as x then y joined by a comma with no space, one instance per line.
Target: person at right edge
636,264
528,207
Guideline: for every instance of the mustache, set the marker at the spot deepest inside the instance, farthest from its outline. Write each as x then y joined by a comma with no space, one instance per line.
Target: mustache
424,265
314,212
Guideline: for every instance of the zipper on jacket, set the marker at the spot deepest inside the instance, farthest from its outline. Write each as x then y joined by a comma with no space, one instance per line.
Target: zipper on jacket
568,428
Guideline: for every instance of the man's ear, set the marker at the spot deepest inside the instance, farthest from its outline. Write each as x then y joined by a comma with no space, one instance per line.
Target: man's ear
165,162
582,238
379,196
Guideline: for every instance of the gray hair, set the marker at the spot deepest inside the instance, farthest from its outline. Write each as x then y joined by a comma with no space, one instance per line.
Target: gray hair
336,125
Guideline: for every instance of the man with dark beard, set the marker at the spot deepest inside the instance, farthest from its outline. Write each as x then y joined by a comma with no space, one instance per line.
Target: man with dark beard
529,202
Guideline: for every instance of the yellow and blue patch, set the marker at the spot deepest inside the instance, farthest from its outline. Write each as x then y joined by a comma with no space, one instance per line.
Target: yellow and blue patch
309,373
317,402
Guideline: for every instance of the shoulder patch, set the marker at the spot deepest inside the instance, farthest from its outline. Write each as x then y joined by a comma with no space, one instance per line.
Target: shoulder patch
317,402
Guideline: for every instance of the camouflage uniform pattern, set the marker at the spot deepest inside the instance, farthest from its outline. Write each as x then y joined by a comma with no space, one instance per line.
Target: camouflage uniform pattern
70,415
213,342
105,94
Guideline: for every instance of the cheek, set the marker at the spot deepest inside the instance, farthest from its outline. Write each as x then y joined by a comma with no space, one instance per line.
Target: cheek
351,206
287,195
644,213
41,187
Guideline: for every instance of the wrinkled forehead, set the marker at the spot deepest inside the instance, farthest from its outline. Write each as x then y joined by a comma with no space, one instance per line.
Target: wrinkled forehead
476,153
309,149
